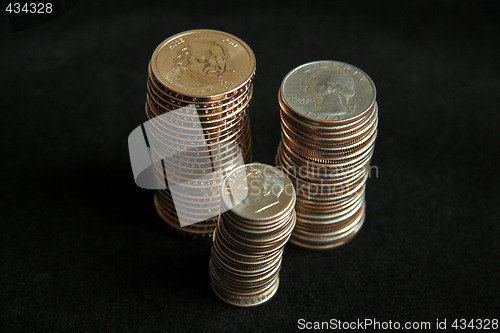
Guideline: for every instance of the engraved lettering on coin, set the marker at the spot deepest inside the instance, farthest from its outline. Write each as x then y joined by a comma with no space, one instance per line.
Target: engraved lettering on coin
328,91
203,63
263,189
257,191
331,92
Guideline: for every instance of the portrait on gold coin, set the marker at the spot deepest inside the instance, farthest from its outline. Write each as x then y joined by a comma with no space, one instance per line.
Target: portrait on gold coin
203,62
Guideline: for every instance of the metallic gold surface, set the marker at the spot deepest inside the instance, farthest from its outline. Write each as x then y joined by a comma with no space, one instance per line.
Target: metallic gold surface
212,72
206,64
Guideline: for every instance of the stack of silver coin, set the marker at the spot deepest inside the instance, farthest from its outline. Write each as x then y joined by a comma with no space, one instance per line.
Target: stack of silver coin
258,202
329,125
198,94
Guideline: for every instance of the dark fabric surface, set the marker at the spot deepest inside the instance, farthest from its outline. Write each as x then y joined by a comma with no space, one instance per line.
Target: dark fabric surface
82,249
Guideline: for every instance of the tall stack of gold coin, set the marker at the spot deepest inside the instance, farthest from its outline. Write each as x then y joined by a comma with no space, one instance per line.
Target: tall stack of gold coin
258,203
329,125
210,71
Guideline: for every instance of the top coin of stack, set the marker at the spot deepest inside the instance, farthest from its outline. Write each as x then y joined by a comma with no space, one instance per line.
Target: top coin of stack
210,72
329,125
251,233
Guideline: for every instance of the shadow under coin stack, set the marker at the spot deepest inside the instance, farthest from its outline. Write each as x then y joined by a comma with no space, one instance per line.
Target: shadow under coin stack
257,220
329,125
210,72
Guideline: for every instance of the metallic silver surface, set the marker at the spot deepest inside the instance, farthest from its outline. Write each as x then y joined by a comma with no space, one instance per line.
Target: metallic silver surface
329,123
257,191
328,91
249,238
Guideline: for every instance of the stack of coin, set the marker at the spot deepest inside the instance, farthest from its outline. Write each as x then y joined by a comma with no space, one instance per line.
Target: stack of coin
329,125
257,220
203,78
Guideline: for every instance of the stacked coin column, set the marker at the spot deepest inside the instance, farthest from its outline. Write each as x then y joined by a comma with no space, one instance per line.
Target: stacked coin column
329,125
248,242
210,72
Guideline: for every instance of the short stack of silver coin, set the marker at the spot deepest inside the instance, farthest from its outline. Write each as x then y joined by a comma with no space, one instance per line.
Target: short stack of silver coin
250,235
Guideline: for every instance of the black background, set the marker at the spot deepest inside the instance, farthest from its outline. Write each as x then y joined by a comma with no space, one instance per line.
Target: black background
81,247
